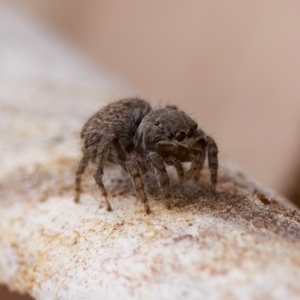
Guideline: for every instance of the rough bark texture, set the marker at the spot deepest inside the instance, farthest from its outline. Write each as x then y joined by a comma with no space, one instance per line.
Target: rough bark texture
242,243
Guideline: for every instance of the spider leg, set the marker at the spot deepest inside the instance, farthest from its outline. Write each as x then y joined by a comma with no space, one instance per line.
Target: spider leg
142,167
102,150
133,169
212,153
118,153
202,145
80,170
178,166
205,144
196,175
163,177
196,164
98,178
199,149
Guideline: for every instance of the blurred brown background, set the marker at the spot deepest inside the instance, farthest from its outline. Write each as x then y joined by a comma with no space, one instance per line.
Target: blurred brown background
234,65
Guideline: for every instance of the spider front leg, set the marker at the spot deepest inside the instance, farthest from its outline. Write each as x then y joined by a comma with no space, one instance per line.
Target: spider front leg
172,161
196,165
199,152
163,177
196,175
202,145
133,168
212,153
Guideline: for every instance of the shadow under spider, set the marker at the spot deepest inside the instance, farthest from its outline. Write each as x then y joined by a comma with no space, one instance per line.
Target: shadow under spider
231,205
236,206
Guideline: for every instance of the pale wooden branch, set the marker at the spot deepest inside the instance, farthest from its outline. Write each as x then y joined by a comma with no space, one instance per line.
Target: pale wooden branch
241,243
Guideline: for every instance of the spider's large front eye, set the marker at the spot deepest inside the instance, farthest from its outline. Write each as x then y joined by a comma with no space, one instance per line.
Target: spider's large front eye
180,136
170,135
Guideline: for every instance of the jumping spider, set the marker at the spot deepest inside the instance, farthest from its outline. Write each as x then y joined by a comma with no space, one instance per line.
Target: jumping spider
138,138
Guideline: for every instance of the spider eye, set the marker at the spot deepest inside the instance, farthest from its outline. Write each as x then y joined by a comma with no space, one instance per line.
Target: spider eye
180,136
170,135
190,133
156,123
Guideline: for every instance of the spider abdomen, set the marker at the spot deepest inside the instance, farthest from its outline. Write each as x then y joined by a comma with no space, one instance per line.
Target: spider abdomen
120,119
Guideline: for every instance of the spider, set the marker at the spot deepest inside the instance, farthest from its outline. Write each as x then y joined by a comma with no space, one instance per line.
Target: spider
131,134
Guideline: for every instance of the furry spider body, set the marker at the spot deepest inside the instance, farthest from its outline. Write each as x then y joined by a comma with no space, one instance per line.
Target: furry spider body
138,138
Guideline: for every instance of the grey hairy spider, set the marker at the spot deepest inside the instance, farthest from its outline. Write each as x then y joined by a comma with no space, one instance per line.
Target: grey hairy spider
131,134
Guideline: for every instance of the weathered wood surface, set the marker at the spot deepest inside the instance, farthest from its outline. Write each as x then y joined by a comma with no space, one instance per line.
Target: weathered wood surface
242,243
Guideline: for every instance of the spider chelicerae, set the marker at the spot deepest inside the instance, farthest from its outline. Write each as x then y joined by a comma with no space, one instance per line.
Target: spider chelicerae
132,134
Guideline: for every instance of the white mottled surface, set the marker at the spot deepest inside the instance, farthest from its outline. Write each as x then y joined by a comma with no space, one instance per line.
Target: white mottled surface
58,249
232,246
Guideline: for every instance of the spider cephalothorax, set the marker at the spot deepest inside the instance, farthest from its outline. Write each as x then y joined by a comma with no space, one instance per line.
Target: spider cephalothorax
138,138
